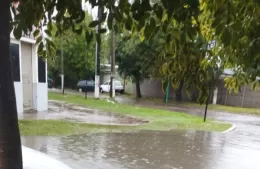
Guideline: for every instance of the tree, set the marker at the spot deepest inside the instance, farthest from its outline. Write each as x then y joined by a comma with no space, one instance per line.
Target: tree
79,59
235,26
136,59
236,19
10,143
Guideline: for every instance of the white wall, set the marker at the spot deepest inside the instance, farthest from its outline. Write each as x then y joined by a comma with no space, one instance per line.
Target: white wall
40,90
42,97
18,88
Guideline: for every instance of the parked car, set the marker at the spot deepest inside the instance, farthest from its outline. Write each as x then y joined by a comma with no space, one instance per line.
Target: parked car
86,86
106,87
50,83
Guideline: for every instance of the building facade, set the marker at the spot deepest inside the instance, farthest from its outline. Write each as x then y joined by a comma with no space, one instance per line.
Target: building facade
29,74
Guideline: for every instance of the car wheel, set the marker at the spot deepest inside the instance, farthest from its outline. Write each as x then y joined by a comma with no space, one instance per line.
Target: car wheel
101,90
121,91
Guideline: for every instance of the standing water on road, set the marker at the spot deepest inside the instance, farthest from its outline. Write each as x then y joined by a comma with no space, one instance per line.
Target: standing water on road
238,149
152,150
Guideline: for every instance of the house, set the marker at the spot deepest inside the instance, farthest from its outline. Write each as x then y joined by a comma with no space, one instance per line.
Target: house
29,74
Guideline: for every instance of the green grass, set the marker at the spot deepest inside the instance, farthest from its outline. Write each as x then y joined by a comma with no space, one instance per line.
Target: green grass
224,108
60,128
235,109
160,119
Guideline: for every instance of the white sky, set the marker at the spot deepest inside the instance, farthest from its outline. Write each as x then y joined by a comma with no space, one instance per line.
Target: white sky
92,11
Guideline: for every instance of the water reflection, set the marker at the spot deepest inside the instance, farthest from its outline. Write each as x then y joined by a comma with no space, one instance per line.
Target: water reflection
149,150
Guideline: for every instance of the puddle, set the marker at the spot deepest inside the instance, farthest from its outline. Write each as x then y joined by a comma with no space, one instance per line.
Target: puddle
152,150
74,113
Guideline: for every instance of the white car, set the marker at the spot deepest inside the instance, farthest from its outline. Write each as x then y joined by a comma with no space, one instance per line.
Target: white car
117,85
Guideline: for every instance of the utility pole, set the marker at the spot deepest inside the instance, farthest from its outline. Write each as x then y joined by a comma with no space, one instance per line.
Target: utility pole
97,67
62,66
112,76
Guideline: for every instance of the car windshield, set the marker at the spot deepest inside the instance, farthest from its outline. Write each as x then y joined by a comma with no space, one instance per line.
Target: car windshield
81,83
90,83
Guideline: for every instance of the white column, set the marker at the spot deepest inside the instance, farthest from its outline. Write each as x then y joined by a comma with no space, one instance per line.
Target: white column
215,96
97,81
34,75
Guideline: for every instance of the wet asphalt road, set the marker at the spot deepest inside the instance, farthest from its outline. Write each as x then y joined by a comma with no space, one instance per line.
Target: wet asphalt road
238,149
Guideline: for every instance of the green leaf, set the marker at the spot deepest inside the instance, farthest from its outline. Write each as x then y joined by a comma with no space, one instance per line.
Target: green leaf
226,37
103,30
77,30
142,34
159,12
81,17
48,32
36,33
152,23
145,5
39,39
40,48
176,34
216,22
18,32
93,24
118,15
49,26
128,24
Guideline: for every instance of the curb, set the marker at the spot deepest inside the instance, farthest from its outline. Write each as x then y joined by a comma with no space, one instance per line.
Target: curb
233,127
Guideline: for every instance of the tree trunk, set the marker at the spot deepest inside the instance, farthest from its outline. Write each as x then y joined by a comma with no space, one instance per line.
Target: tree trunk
179,91
124,83
138,89
10,143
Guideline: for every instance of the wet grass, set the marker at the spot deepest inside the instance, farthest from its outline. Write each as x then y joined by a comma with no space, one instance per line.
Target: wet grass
238,110
160,119
223,108
61,128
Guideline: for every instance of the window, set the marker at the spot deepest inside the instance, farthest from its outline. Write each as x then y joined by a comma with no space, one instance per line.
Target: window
107,83
118,83
41,70
14,53
82,83
90,83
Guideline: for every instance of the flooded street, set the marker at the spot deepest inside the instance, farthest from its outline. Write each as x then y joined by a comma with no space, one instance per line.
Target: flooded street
239,149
